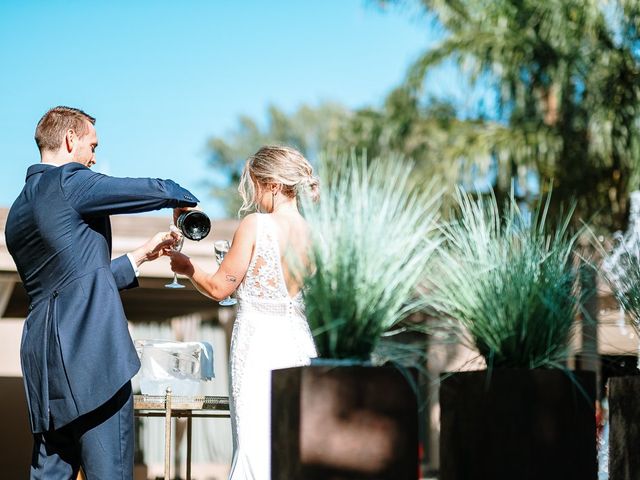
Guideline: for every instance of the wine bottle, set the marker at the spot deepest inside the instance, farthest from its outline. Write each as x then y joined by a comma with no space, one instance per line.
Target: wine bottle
194,224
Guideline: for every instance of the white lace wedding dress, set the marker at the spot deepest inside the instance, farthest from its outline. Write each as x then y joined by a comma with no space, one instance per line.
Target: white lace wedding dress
270,332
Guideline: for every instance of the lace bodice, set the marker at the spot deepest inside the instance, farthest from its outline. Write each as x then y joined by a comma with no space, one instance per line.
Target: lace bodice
264,279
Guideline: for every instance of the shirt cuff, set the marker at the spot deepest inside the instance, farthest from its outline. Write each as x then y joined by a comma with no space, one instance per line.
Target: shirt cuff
133,264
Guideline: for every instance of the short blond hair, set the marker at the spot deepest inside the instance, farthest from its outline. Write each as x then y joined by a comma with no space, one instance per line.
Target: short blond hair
54,124
281,165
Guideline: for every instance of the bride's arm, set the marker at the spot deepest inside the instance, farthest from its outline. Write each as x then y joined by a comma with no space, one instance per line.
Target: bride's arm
225,280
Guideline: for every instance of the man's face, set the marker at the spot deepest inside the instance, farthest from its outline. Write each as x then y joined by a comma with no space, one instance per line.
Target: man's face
84,151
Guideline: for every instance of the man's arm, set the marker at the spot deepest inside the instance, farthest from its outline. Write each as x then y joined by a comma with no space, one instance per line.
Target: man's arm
124,273
94,194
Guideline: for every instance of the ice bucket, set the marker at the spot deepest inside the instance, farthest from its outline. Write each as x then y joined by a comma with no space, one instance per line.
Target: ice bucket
179,365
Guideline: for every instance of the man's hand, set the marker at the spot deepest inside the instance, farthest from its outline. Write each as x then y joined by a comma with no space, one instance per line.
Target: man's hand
155,247
178,211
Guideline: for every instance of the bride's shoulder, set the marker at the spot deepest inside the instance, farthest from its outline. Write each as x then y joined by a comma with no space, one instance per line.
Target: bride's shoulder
250,219
247,228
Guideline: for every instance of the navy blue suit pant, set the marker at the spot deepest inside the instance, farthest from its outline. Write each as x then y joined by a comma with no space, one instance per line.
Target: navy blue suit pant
101,442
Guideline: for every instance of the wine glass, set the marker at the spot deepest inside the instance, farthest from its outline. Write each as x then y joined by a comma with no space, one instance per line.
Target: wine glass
222,248
177,246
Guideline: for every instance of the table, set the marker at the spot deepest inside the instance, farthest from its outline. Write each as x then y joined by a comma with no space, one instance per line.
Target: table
168,405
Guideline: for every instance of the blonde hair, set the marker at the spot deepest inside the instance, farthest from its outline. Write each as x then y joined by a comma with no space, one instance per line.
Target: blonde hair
280,165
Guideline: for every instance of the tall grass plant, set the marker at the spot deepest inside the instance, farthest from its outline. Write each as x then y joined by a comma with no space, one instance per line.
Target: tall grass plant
374,234
621,270
506,283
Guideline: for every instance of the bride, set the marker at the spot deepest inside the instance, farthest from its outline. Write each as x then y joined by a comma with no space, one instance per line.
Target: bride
271,329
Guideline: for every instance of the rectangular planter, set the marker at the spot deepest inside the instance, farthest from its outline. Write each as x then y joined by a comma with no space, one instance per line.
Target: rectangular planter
346,422
509,424
624,428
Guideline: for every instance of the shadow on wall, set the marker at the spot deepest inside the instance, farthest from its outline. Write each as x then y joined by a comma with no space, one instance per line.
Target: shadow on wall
16,441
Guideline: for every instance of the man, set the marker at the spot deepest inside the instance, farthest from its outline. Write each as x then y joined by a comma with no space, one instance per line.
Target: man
76,353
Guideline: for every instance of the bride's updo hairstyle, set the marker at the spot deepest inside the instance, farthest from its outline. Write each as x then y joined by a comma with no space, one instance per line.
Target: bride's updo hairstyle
280,165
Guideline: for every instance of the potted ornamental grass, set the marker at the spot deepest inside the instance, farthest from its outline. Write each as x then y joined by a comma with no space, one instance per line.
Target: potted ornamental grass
374,235
623,391
506,284
621,271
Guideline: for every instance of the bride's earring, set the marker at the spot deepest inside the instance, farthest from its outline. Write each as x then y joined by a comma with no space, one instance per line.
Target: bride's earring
273,201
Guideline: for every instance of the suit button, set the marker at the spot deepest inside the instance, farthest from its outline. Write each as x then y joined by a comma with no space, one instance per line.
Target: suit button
55,293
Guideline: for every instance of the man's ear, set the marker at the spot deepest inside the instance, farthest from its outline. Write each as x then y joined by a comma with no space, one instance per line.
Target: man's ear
69,140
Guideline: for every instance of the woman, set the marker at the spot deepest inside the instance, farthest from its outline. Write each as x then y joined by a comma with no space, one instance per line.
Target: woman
271,330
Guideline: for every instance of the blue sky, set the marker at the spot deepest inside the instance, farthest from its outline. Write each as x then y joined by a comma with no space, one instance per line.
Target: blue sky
161,77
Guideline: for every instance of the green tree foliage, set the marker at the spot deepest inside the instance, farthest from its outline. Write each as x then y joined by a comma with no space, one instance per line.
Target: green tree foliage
567,78
566,74
427,133
309,129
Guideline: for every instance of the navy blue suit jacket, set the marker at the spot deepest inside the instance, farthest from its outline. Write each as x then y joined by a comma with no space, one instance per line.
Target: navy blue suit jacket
76,350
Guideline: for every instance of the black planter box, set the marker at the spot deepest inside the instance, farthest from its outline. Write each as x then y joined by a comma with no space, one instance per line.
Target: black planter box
339,423
624,428
516,424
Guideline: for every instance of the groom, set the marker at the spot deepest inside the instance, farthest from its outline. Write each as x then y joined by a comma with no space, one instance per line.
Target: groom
76,353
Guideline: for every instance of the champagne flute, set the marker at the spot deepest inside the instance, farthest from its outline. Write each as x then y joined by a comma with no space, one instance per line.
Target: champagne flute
222,248
177,246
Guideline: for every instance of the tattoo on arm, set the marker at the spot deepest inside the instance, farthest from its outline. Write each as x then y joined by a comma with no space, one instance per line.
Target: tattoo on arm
231,278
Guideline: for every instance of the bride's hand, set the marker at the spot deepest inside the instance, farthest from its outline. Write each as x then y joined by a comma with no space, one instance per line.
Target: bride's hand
180,263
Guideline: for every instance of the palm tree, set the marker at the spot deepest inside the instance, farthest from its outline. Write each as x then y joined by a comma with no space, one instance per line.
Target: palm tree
567,78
